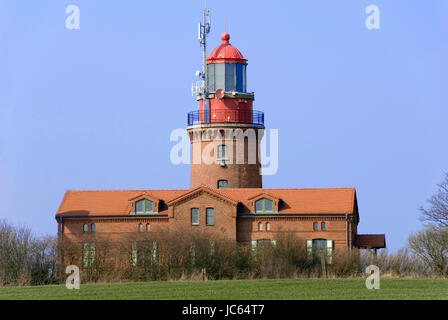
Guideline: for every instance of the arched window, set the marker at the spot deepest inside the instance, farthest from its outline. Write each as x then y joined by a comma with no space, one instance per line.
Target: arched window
85,227
222,152
140,227
322,225
263,206
268,226
260,226
144,206
148,227
315,226
92,227
222,184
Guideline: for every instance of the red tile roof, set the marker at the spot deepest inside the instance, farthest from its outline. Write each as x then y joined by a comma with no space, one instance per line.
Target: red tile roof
370,241
302,200
293,200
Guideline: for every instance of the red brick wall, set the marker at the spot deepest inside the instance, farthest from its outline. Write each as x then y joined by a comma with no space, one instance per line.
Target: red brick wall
224,217
300,227
244,175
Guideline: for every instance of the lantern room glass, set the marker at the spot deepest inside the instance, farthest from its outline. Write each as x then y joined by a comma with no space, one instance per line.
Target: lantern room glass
226,76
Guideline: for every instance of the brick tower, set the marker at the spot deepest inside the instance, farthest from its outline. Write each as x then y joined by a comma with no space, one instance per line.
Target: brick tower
225,132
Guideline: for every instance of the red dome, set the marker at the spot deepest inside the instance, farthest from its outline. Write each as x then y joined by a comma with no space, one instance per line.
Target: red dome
225,51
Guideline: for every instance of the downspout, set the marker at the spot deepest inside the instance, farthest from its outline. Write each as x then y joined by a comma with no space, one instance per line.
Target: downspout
346,230
61,250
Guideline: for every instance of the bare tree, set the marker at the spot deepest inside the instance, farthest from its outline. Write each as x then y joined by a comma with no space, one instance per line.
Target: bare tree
15,247
43,260
431,245
437,212
25,259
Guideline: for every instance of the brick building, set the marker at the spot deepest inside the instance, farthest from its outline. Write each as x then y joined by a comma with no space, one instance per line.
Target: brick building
226,199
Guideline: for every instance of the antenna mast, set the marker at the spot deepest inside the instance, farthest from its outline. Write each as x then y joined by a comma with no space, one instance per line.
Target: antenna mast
203,30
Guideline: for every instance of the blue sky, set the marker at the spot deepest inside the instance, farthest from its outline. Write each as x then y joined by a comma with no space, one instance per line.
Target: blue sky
94,108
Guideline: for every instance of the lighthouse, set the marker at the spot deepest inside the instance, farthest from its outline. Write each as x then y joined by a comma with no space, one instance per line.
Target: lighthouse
225,131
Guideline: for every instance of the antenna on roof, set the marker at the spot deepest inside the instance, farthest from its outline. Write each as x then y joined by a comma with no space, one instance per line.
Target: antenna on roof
203,30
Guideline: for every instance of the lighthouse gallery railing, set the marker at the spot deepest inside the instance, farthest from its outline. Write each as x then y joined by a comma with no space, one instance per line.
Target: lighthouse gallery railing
226,116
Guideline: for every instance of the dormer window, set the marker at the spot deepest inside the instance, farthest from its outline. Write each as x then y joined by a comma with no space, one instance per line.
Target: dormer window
144,206
263,206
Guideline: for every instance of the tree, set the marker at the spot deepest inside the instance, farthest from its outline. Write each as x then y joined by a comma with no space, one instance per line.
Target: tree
437,212
25,259
431,245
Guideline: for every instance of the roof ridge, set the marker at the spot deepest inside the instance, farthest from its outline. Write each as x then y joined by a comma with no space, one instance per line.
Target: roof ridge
318,188
203,187
220,190
88,190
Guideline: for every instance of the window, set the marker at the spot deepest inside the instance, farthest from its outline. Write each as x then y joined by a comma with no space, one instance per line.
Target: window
194,216
320,246
144,206
209,217
230,76
322,226
85,228
92,227
211,77
88,255
220,76
239,75
226,76
139,206
260,226
268,226
222,184
263,206
222,152
262,243
315,226
148,227
140,227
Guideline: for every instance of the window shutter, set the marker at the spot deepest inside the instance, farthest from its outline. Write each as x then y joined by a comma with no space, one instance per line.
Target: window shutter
85,255
329,251
154,251
134,254
92,253
309,247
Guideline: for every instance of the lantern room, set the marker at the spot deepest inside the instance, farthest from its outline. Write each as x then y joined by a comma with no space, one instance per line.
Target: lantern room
226,68
227,99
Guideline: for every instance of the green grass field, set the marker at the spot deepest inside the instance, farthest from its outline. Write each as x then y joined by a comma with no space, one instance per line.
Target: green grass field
297,289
